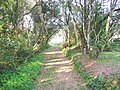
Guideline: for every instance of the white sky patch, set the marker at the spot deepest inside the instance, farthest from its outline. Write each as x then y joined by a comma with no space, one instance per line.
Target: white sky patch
28,22
58,38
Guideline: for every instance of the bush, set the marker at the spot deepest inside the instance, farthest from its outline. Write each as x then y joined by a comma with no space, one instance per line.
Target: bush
23,77
104,83
96,82
13,52
8,52
115,46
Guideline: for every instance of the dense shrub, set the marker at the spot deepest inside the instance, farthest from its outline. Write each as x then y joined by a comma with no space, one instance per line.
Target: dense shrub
14,51
23,77
8,52
115,46
99,82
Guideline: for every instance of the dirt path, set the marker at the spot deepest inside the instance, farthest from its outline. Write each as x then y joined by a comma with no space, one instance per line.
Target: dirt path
96,68
58,73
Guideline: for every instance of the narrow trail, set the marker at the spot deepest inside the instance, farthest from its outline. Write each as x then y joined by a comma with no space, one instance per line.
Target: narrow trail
58,73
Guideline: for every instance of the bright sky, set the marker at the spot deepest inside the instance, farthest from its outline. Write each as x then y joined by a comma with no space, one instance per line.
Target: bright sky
58,38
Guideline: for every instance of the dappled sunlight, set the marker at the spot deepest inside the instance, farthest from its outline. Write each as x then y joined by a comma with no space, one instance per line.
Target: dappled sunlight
62,79
73,47
60,69
90,64
46,79
57,63
108,53
54,60
77,54
65,69
117,55
53,52
84,84
48,67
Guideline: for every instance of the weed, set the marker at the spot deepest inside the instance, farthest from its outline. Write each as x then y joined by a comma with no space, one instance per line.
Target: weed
98,82
25,76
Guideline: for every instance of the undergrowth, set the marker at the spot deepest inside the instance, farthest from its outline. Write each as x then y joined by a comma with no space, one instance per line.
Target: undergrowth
24,78
112,58
99,82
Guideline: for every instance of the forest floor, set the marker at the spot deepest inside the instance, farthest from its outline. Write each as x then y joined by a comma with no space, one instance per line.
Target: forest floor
58,73
107,64
100,68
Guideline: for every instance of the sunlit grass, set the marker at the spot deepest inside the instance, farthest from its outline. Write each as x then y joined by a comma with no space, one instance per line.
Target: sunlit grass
86,66
46,79
110,58
107,58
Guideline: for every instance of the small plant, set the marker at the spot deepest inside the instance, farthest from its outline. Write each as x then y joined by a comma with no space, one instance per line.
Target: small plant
98,82
24,77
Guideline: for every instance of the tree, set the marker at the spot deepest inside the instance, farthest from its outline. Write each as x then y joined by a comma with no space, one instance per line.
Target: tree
91,22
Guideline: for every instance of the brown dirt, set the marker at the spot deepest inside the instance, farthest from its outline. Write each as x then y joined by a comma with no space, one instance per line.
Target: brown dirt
58,73
97,68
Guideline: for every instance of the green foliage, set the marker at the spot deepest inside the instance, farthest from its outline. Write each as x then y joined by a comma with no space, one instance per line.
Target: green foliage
83,72
112,57
12,52
71,52
23,77
103,83
1,26
97,82
8,51
114,46
65,51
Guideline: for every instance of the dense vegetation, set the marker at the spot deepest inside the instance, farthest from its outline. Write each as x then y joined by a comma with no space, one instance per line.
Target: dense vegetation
24,77
27,27
100,82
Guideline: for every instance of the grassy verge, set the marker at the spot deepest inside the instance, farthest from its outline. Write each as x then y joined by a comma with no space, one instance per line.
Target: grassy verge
94,82
24,77
111,58
97,82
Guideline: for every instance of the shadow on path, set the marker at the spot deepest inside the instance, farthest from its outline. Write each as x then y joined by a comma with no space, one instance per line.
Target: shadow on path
58,73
